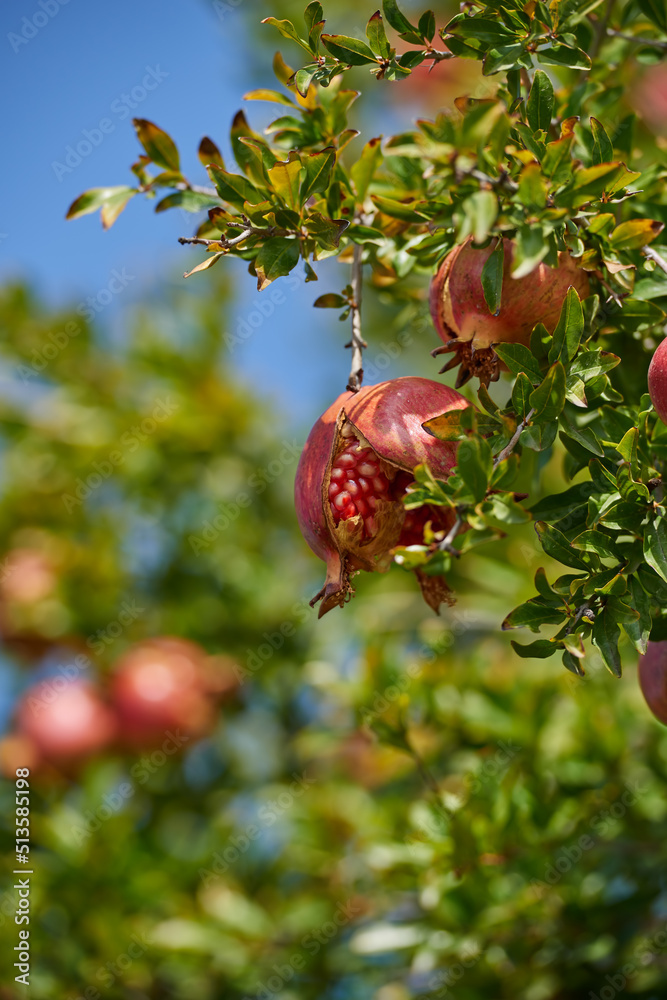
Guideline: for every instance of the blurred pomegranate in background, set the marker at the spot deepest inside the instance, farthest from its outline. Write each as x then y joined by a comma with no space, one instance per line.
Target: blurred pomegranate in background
65,720
27,576
649,96
161,684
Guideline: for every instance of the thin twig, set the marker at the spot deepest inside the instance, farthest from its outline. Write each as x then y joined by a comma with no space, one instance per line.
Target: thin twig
655,256
581,612
446,544
221,241
197,189
509,448
357,343
652,42
601,29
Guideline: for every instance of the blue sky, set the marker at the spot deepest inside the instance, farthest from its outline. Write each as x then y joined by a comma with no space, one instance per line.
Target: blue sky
66,67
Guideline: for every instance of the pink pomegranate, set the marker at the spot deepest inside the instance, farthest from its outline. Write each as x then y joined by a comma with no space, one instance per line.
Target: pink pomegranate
462,317
652,671
65,720
356,466
159,685
657,380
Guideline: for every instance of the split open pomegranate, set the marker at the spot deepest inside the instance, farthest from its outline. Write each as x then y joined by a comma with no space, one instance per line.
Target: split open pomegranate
355,469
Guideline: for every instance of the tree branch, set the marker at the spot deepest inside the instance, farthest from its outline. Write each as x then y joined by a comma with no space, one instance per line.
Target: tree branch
652,42
221,241
509,448
357,343
446,544
655,256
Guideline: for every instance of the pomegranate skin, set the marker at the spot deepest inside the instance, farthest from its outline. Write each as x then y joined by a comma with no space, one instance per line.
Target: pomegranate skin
652,671
462,318
388,418
65,723
657,380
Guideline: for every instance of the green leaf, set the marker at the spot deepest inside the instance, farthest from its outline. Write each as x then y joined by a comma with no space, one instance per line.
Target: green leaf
565,55
272,96
627,448
656,11
277,257
208,152
233,188
639,631
246,156
553,508
556,161
533,614
350,51
285,178
377,36
603,151
327,232
159,146
363,170
405,211
655,545
605,636
319,168
521,393
480,212
500,511
205,264
482,29
475,465
330,301
96,198
595,541
492,277
190,201
313,15
549,397
396,18
426,26
532,187
519,359
302,81
556,545
634,234
569,329
540,104
538,650
590,364
531,248
287,30
544,589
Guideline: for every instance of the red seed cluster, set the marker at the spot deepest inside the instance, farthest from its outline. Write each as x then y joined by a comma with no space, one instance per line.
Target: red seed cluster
357,484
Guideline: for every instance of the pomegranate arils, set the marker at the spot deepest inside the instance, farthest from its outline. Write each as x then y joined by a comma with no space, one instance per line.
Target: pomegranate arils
356,485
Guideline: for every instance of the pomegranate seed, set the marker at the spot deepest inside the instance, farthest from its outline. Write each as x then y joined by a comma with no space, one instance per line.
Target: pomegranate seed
357,485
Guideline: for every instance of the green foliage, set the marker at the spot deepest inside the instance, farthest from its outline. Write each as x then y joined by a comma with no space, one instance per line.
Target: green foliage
552,159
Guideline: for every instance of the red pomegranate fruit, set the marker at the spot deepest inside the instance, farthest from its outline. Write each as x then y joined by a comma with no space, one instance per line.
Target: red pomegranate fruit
657,380
66,720
652,672
463,319
160,685
354,469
